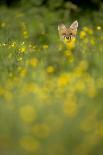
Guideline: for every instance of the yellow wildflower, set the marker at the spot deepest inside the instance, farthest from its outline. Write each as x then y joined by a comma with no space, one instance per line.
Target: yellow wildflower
70,107
89,122
98,27
100,129
33,62
3,44
13,44
27,113
25,34
8,96
88,30
3,24
29,143
80,86
19,59
45,46
91,90
67,53
41,130
91,86
63,80
83,65
50,69
30,88
70,44
82,34
23,72
86,40
99,83
22,49
92,42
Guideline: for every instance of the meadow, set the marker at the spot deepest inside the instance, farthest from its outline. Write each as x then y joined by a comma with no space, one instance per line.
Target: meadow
51,93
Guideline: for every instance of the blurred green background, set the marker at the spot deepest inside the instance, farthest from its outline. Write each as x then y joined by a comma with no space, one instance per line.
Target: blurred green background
51,93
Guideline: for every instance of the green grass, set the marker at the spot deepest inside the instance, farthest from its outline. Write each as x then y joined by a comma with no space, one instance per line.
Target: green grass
50,95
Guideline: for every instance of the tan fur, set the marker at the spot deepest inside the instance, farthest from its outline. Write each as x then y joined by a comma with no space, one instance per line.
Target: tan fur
70,32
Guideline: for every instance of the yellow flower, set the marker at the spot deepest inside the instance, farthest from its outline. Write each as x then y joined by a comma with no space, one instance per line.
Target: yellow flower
13,44
71,58
99,83
45,46
30,87
91,86
86,40
92,42
29,143
3,44
8,95
3,24
89,122
33,62
91,90
100,129
70,44
50,69
19,59
41,130
63,80
68,53
27,113
81,68
70,107
22,49
25,34
98,27
80,86
88,30
83,65
23,72
82,34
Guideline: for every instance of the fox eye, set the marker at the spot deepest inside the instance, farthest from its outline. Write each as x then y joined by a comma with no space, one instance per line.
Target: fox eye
71,34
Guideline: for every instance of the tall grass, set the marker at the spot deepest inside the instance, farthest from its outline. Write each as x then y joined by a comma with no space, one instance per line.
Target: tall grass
50,93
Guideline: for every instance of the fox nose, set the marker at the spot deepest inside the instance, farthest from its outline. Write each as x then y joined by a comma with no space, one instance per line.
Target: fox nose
68,37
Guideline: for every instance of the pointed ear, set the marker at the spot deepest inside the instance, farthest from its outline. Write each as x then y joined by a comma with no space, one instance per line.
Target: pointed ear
62,27
62,30
74,25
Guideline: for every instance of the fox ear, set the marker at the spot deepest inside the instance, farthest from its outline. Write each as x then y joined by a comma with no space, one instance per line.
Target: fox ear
74,25
62,30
